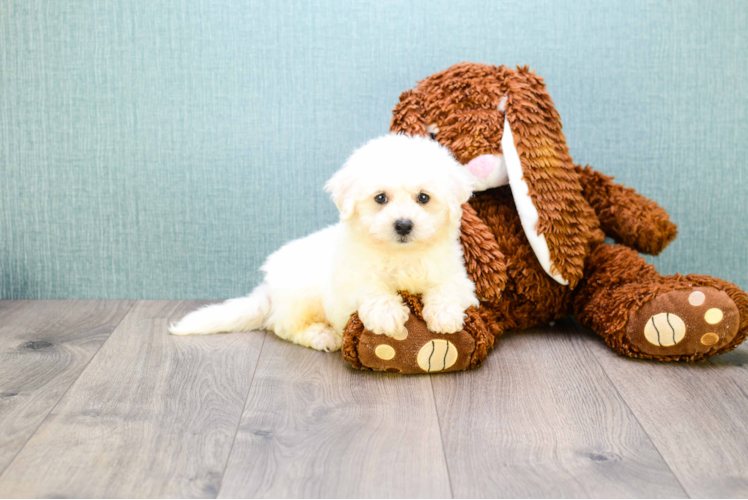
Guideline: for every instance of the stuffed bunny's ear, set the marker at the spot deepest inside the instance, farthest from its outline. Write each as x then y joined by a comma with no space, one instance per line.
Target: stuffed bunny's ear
558,221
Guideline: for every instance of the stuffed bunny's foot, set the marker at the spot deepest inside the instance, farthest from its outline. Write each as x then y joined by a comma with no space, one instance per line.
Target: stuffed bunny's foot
688,322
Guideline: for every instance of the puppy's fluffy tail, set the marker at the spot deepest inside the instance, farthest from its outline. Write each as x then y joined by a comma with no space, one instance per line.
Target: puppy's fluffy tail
235,315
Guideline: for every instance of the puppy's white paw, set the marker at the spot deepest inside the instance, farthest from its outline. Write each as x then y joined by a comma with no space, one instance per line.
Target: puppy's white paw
444,317
385,316
330,342
321,337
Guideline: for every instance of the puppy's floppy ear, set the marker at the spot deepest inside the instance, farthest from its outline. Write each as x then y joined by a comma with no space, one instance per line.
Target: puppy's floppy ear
460,189
340,186
408,116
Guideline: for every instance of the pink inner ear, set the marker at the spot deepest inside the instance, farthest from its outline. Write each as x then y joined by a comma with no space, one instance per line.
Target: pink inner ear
482,166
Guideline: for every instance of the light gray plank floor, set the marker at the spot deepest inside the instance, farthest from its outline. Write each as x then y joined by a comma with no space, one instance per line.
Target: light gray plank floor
542,419
696,415
315,427
152,415
553,412
44,346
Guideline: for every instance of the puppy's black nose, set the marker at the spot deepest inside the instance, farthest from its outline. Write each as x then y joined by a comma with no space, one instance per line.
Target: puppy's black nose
403,227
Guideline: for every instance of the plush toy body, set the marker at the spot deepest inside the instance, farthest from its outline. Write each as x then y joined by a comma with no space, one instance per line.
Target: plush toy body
533,236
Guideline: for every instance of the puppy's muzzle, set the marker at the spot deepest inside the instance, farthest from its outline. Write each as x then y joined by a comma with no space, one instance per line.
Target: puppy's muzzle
403,227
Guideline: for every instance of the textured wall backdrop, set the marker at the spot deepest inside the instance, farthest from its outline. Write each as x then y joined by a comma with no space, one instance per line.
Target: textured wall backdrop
163,149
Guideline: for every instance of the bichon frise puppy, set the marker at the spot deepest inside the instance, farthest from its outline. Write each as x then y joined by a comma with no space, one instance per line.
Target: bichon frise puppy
400,201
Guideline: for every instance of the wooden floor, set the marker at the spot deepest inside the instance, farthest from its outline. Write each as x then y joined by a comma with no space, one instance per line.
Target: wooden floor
97,400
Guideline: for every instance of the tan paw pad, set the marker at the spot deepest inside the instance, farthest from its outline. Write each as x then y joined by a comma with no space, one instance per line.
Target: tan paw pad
401,335
713,316
437,355
709,338
696,298
664,329
385,352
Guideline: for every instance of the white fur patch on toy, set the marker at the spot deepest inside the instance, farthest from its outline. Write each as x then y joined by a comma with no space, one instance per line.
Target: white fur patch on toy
502,103
528,214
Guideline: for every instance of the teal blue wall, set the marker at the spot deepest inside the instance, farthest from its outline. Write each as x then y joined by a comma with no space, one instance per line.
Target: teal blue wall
163,149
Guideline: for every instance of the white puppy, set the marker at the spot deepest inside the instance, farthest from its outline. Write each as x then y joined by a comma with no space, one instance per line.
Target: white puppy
400,201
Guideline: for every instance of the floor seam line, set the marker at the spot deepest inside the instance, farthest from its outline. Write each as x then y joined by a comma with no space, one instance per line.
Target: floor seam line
241,415
633,414
441,437
2,474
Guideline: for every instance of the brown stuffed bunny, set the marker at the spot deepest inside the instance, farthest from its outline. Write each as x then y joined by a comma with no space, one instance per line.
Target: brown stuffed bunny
533,238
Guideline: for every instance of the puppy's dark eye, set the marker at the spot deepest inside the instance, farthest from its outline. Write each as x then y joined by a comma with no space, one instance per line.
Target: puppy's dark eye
423,198
433,135
381,198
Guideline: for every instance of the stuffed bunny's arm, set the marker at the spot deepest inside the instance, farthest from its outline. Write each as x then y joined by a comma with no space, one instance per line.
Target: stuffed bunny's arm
625,215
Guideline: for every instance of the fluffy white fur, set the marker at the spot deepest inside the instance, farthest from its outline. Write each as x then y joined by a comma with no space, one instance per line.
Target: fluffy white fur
312,285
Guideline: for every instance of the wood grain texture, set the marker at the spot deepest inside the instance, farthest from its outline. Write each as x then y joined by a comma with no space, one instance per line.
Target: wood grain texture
696,415
44,347
554,412
541,419
314,427
151,416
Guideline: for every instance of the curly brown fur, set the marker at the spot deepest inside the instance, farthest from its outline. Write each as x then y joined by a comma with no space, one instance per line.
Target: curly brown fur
351,334
625,215
530,297
575,205
619,282
485,263
463,102
566,219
